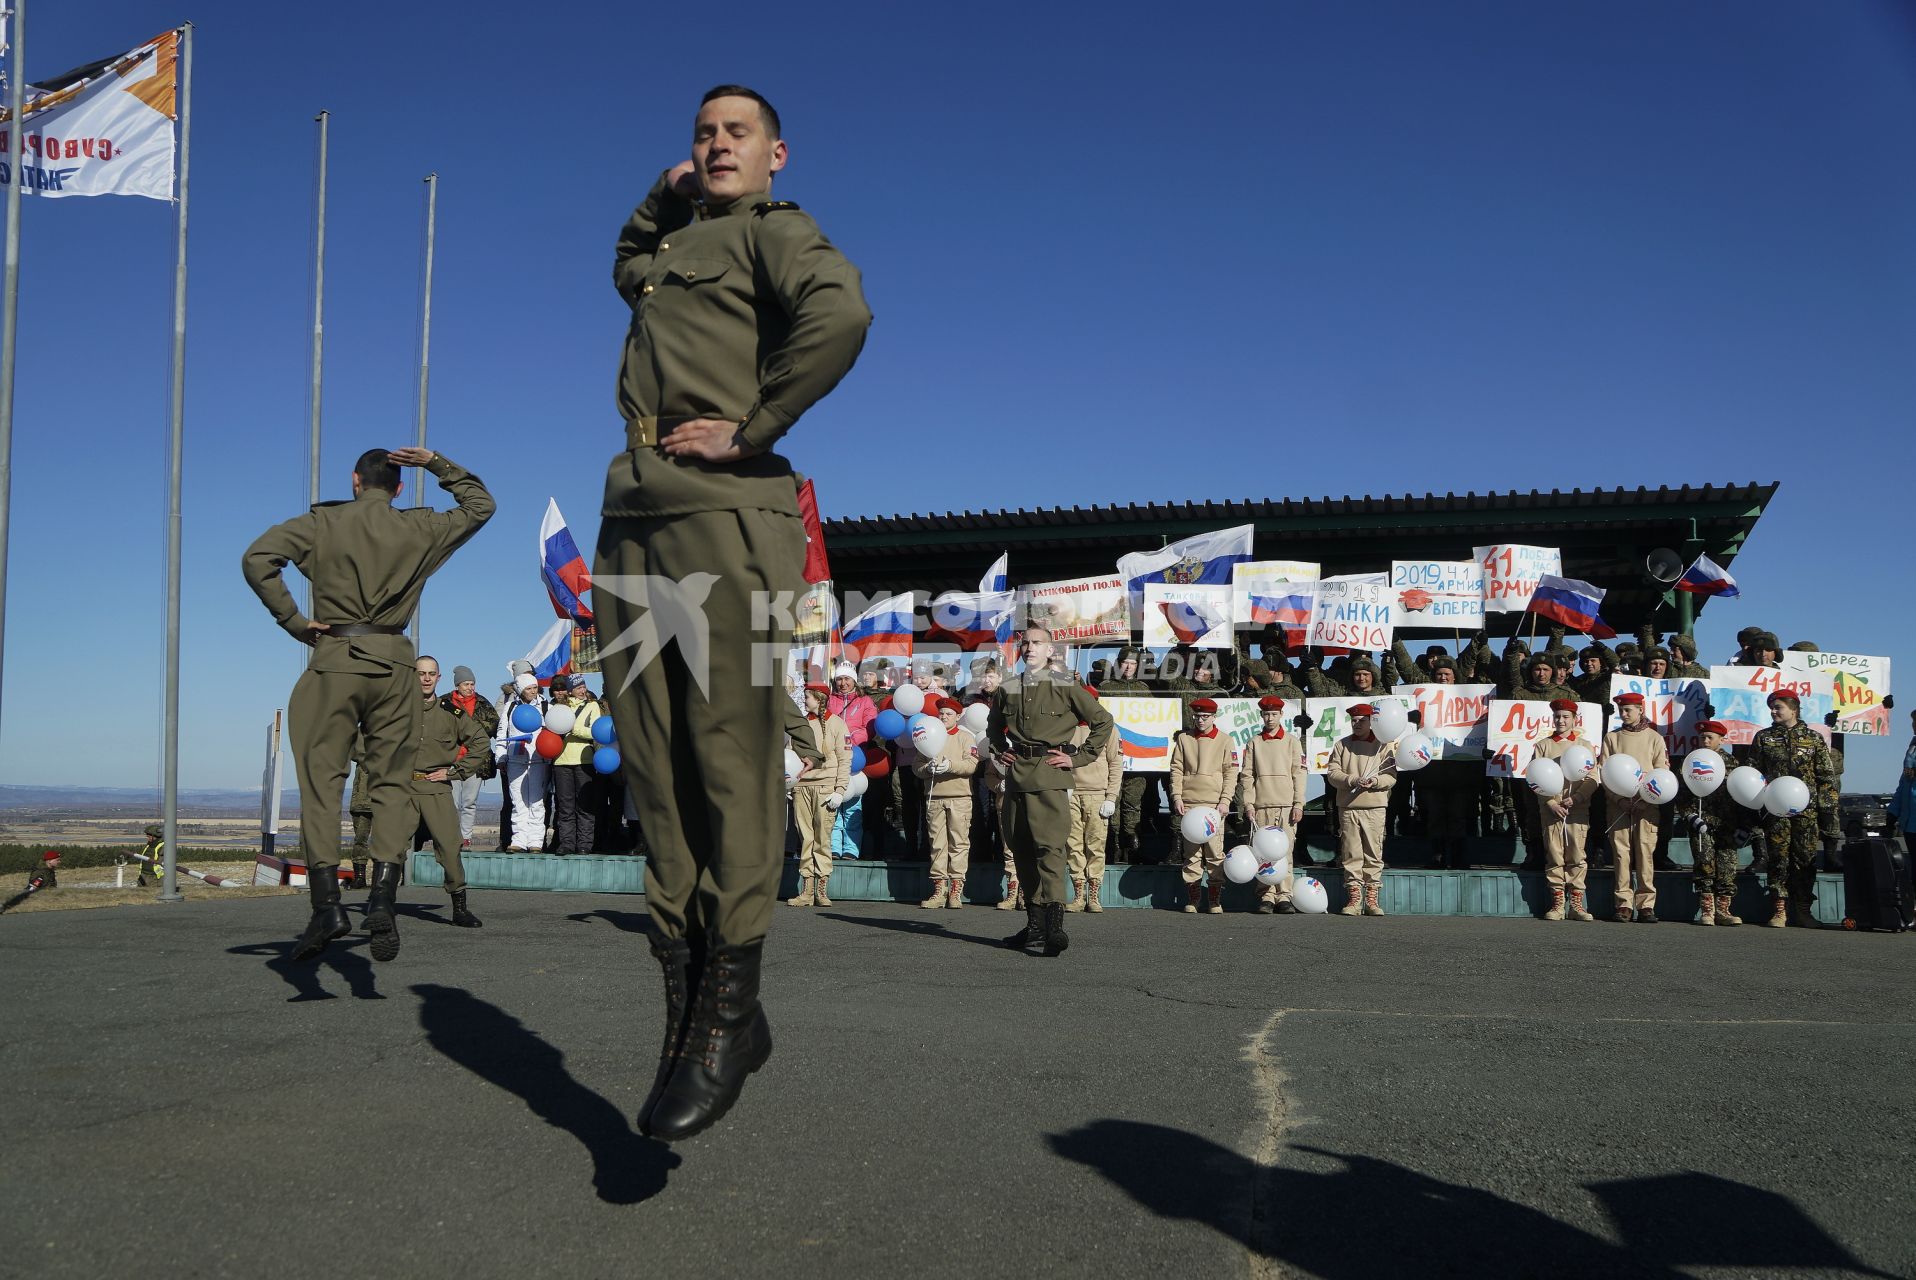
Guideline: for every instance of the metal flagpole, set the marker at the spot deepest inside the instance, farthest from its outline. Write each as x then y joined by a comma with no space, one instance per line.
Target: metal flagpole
319,338
170,799
16,100
425,361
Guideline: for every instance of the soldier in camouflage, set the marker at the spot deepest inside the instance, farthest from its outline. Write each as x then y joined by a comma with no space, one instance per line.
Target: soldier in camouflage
1790,748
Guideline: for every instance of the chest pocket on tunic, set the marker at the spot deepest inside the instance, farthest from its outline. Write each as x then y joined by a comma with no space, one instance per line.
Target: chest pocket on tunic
692,272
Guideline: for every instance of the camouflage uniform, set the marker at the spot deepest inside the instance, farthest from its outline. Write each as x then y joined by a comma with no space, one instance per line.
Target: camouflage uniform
1792,843
1712,844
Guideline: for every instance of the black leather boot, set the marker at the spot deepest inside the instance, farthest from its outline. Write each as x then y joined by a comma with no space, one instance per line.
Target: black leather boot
329,918
681,963
381,920
1032,934
359,873
1055,938
462,917
726,1039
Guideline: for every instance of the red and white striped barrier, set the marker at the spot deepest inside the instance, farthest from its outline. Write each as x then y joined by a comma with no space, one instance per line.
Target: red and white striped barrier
218,882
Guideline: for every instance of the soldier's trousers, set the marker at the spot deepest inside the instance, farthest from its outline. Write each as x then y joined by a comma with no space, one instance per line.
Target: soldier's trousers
1200,858
911,811
1563,862
327,711
1037,831
1276,815
439,815
1131,811
362,836
703,750
814,824
1445,795
1714,856
1084,855
1360,845
949,822
1633,845
1793,844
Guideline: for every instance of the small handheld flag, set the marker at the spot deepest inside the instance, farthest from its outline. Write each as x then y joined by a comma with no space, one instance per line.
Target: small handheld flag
1572,602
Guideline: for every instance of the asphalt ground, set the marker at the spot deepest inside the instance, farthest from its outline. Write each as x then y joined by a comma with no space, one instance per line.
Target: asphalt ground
1200,1096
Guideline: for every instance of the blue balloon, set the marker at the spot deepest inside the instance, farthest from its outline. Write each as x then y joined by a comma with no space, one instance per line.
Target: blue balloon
527,718
890,724
858,759
602,732
606,759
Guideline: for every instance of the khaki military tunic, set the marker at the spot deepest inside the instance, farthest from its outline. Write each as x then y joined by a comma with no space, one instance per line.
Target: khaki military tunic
1564,835
1204,769
1361,811
1274,776
1633,821
743,312
1096,782
368,561
1031,713
442,732
830,739
948,805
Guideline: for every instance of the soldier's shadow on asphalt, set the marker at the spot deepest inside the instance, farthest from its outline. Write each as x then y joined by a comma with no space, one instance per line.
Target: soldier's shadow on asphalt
624,921
627,1168
1362,1217
922,928
343,957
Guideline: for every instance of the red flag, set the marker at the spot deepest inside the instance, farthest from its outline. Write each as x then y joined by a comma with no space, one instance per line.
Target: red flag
817,568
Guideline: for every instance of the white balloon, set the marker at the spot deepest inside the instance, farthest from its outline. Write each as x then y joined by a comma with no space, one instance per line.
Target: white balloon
929,736
1578,762
1659,786
1274,872
560,720
1200,824
1240,865
1622,775
1786,797
856,787
975,718
1703,771
908,700
1545,777
1309,897
1272,844
1745,785
1391,720
1414,752
792,765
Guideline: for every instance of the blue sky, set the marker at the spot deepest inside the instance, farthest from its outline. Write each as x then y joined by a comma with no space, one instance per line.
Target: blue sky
1253,251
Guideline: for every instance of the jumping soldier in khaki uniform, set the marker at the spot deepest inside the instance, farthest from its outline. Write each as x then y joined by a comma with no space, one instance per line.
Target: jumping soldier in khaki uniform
1094,796
368,561
1633,831
818,793
1204,769
948,807
743,316
1362,774
1565,819
1034,717
449,746
1274,775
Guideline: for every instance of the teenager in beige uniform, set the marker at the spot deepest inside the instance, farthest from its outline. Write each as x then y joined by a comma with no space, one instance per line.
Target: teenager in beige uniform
1094,798
1633,822
1204,769
816,797
1362,773
1565,818
1274,776
948,807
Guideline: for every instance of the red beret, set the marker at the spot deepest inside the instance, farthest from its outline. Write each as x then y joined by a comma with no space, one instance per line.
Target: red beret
51,855
1564,704
951,704
1629,699
1714,726
1363,709
1204,704
1272,703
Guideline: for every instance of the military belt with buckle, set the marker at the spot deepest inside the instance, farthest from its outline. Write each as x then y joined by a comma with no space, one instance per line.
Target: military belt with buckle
1025,751
350,629
645,433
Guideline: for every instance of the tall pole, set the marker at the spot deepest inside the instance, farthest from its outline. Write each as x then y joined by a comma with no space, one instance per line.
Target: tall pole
319,317
425,363
170,799
16,95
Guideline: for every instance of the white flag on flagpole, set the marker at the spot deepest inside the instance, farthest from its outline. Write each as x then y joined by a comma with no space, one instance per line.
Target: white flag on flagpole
105,129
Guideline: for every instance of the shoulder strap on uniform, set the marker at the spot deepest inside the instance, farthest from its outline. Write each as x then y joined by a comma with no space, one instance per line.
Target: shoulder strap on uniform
772,206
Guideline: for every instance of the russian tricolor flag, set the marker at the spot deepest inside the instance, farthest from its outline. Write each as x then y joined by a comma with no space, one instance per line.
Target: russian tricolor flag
882,631
971,621
1291,611
1707,578
563,568
1572,602
1191,620
1142,746
1202,557
551,658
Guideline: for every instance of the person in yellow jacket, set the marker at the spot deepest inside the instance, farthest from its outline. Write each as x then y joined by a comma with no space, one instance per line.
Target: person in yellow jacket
1273,783
1204,769
1095,784
1633,823
948,807
1362,773
575,784
1565,818
817,794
